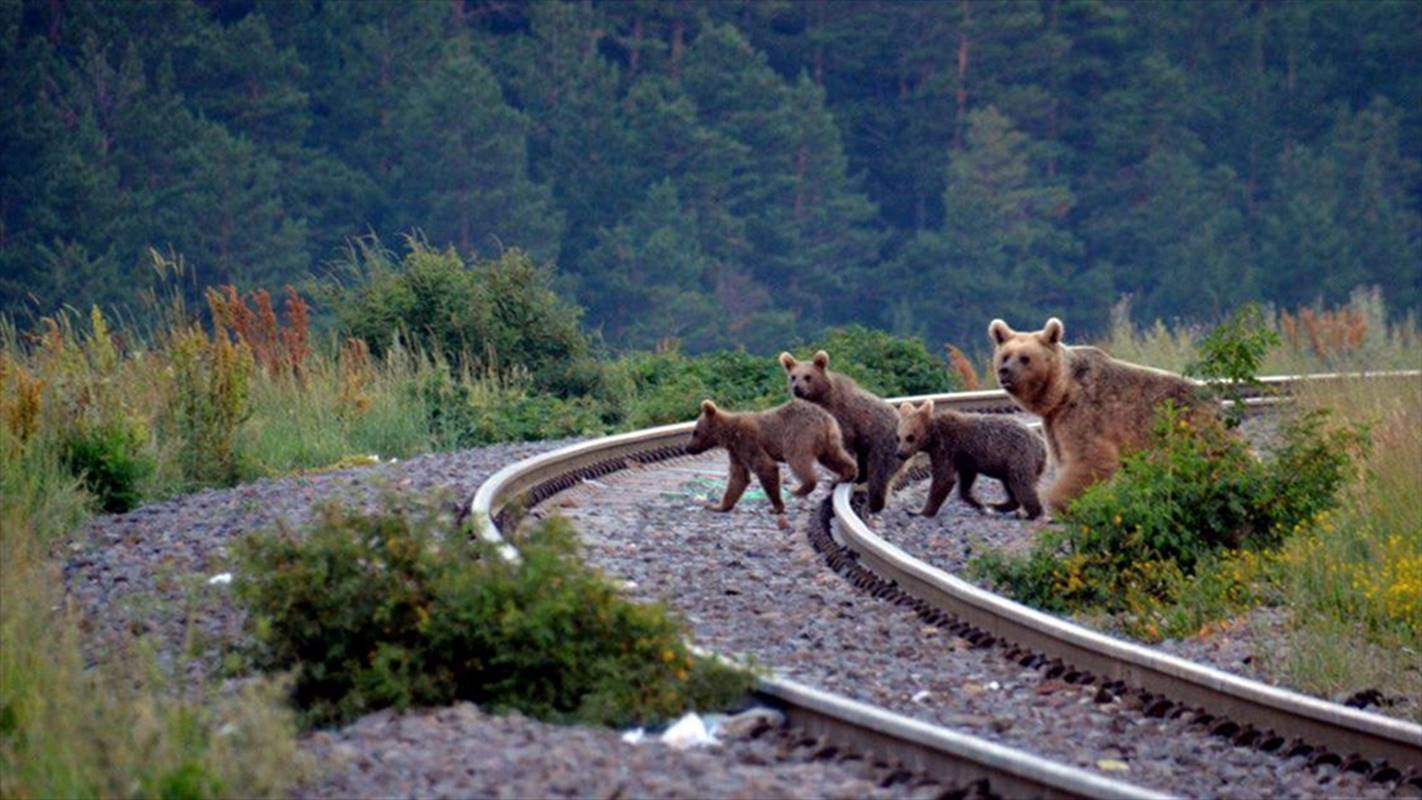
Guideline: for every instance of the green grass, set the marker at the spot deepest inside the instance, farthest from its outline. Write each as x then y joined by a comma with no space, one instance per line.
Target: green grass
1354,337
111,730
72,729
1355,583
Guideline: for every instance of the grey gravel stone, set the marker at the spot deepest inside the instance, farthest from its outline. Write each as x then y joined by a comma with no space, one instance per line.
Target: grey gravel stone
752,590
461,751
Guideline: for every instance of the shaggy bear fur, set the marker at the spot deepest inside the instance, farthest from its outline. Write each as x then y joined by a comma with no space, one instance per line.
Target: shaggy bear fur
1094,408
970,445
868,422
797,433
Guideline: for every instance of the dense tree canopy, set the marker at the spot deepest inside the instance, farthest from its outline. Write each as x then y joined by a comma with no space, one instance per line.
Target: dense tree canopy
737,172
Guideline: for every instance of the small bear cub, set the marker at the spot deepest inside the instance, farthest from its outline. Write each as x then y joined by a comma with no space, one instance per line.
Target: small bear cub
970,445
866,420
798,433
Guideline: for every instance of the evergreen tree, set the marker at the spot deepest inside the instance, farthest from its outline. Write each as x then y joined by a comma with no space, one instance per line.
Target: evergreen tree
653,281
577,138
462,168
1003,249
1341,216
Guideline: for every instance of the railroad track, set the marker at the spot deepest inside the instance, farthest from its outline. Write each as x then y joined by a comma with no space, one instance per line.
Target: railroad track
1251,713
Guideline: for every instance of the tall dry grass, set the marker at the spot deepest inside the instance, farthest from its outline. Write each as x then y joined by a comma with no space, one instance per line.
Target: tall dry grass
1354,582
69,728
1354,337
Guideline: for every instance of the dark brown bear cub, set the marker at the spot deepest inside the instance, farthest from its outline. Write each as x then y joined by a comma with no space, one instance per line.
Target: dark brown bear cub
797,433
969,445
868,423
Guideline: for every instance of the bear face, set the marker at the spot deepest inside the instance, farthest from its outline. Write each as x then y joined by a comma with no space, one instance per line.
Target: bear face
914,428
704,435
1026,362
808,380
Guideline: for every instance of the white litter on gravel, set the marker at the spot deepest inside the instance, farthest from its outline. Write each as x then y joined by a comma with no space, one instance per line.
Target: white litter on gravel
687,732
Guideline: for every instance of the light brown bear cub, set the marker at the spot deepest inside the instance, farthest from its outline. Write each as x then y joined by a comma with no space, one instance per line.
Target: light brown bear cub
1094,408
797,433
968,445
868,422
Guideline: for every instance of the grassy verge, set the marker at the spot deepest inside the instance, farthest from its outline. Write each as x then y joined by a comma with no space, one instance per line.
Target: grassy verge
1354,583
1346,563
1353,337
71,729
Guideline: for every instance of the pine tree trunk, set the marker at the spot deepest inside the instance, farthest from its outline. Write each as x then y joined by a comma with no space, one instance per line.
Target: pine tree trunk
962,93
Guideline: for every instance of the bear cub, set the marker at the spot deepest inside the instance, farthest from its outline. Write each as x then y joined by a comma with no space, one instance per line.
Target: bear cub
969,445
797,433
868,422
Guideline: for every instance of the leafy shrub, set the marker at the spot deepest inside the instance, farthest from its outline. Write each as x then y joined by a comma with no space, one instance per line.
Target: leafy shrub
211,400
111,462
1195,491
495,314
882,363
463,412
396,608
666,387
1230,356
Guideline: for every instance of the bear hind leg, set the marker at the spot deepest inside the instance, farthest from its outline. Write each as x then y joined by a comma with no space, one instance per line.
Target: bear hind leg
1021,487
736,484
840,462
802,466
965,488
882,471
1076,476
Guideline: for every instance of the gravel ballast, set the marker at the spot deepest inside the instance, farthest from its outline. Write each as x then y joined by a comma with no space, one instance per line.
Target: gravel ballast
462,752
751,590
149,574
746,587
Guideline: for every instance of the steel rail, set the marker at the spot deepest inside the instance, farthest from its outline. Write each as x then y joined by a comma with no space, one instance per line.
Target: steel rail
949,756
1342,729
499,502
1345,730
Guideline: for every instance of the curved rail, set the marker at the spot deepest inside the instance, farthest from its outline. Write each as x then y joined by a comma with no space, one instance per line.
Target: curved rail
501,499
950,756
1344,730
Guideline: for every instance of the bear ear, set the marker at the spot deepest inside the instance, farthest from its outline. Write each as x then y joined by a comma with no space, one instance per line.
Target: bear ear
1052,334
822,359
708,408
905,409
787,361
998,331
927,408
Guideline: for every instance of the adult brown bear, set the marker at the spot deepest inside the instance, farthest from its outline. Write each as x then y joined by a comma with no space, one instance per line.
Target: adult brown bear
1094,408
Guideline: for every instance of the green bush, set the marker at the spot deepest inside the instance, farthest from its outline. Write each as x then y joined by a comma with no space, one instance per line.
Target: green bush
464,412
111,461
1195,491
1230,356
396,608
211,399
666,387
885,364
496,314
